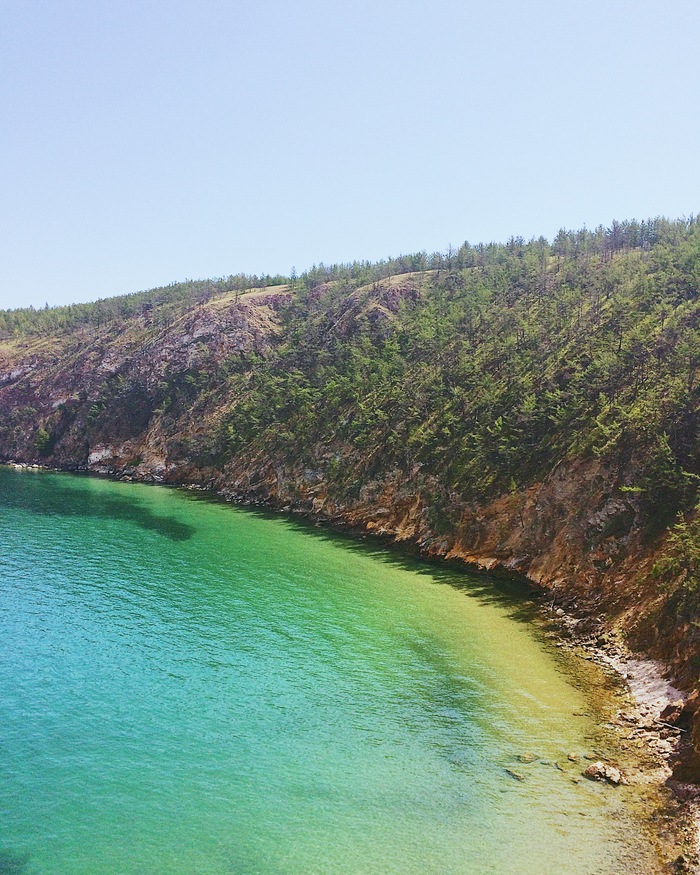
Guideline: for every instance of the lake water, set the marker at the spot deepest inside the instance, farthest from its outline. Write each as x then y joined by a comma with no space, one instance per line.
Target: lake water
188,687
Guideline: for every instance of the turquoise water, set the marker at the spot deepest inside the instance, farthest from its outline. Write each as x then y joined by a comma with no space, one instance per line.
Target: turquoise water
187,687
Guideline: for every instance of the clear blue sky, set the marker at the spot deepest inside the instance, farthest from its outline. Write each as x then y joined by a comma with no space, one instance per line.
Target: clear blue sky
145,142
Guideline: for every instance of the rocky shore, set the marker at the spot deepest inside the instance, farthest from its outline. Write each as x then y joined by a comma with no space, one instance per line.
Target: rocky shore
653,736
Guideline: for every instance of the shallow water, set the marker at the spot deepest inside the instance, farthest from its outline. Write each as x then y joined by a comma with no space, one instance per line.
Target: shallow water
188,687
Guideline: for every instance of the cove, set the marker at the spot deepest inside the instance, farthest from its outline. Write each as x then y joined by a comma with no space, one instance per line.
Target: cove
190,687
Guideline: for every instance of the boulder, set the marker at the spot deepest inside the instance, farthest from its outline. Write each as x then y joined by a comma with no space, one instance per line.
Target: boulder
600,771
671,714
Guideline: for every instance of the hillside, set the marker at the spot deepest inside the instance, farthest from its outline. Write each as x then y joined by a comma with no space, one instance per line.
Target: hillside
529,405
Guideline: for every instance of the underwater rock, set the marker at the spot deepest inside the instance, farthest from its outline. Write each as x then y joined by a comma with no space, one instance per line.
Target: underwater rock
527,757
516,775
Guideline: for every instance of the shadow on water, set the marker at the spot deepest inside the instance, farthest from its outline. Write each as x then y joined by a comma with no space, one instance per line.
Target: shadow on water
12,863
514,594
46,495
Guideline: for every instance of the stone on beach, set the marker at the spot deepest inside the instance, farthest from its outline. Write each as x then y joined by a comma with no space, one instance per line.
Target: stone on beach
600,771
671,714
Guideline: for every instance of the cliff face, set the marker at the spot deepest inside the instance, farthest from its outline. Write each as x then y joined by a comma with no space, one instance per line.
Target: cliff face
363,405
128,395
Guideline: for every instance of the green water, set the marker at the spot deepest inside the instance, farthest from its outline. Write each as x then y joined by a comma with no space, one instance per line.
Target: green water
187,687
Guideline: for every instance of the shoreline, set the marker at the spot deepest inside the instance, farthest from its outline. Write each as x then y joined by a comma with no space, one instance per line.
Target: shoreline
655,747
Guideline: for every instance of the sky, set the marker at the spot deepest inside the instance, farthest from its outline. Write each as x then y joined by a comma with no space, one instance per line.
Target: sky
147,142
